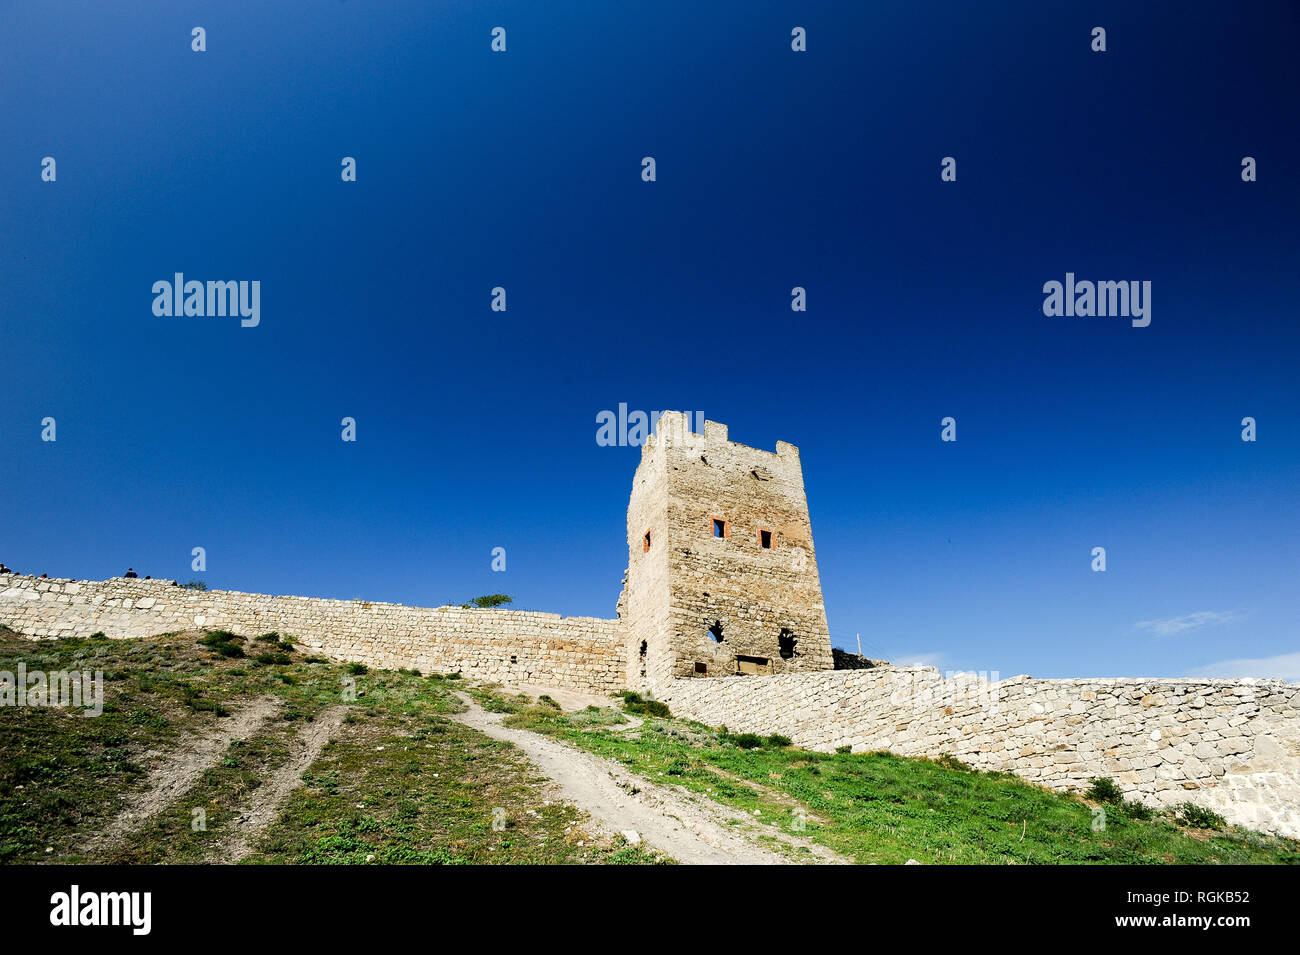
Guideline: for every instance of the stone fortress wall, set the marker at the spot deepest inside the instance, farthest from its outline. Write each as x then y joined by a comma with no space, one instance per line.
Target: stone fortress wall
505,646
1229,745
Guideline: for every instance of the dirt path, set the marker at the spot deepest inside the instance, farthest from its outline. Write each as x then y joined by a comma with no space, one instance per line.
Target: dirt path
264,806
692,830
179,771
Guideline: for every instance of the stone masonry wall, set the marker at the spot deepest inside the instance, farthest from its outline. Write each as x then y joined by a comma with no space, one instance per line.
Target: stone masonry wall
1230,745
507,646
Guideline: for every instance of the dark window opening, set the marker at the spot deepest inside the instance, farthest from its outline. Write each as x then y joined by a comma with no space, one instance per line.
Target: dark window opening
643,648
786,641
646,542
719,527
715,631
701,668
513,660
765,539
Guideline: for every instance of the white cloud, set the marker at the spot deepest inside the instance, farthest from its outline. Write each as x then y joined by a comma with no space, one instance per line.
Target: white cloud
1190,621
1284,666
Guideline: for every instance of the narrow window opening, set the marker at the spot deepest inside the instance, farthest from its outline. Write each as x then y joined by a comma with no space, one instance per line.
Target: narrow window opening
643,648
765,539
786,641
646,542
715,631
701,667
719,527
512,659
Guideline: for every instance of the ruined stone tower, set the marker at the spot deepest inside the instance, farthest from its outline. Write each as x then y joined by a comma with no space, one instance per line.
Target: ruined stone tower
722,577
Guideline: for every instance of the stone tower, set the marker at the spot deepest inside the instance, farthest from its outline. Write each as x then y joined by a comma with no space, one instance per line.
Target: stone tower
722,577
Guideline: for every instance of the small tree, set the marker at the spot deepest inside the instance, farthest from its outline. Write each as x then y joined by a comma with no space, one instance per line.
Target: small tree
490,600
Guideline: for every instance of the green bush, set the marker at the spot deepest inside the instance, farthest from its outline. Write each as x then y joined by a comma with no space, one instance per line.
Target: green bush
635,703
1103,789
748,740
1198,817
356,669
1136,810
777,740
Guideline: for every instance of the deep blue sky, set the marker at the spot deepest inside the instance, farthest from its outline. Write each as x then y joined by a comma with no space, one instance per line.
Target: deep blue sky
477,429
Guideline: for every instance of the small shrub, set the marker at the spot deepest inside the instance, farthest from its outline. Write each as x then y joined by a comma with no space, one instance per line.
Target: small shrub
195,585
748,740
271,637
843,749
1136,810
635,703
1198,817
545,700
1103,789
99,635
228,650
488,601
777,740
356,669
268,659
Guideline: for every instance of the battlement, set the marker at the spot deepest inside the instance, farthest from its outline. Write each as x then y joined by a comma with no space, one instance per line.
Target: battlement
673,429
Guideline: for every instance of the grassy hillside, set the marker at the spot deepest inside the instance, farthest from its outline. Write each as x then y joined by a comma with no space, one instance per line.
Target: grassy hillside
218,748
399,783
881,808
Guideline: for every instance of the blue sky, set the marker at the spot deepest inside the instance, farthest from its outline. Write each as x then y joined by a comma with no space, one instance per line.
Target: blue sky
476,429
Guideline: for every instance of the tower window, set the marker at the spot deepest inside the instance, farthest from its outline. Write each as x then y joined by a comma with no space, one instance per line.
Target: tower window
701,668
715,631
786,640
765,539
720,528
645,542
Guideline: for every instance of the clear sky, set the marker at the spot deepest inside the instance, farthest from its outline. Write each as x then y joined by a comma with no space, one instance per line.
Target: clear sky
477,429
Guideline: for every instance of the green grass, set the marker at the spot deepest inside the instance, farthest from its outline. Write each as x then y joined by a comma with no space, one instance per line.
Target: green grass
401,783
881,808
